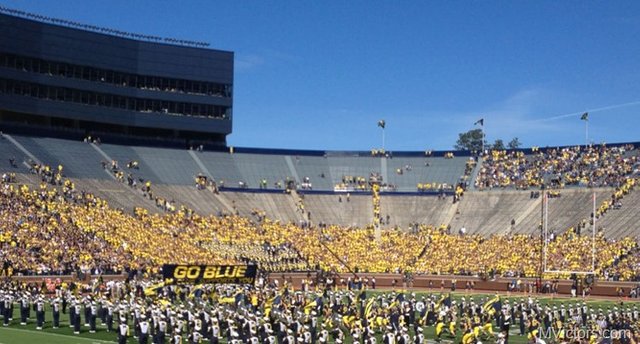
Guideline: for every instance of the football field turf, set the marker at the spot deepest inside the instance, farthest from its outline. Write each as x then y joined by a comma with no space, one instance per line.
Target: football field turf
17,334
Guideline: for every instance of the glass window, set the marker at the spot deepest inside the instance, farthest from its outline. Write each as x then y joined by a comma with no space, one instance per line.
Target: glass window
77,96
86,73
11,61
77,72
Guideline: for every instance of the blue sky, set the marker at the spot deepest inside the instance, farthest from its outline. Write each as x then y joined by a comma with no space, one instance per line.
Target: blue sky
320,74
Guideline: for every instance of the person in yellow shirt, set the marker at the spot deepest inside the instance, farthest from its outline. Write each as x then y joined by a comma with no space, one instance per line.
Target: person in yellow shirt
533,329
440,328
487,328
469,337
452,327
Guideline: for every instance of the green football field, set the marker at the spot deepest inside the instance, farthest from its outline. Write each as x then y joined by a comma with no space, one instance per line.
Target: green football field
27,334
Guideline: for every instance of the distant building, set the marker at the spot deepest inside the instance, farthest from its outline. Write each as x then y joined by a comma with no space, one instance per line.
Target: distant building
84,80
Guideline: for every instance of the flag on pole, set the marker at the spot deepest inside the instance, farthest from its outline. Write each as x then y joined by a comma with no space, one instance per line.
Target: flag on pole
585,116
382,123
480,121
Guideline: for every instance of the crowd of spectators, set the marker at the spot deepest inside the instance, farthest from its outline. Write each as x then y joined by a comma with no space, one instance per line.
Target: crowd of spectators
624,269
593,166
351,183
517,255
44,231
375,188
60,230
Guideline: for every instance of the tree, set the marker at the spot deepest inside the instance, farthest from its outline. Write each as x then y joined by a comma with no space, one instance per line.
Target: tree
514,143
471,140
498,145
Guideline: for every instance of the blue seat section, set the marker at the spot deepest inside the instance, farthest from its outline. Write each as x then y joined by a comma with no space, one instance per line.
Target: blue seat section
9,151
406,173
354,166
159,165
79,159
125,154
178,167
316,169
170,166
222,167
256,167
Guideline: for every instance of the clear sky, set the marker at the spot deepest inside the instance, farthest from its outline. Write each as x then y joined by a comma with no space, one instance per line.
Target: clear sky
320,74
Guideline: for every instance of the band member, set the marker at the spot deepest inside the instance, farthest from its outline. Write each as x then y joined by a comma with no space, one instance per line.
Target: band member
39,313
55,308
123,331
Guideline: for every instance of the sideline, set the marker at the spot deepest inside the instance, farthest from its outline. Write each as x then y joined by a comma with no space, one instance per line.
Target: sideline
55,335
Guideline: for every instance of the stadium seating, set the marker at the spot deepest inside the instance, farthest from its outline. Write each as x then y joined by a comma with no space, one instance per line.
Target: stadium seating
9,151
573,206
79,159
159,165
623,219
98,237
492,212
335,209
202,201
247,210
595,166
406,173
406,210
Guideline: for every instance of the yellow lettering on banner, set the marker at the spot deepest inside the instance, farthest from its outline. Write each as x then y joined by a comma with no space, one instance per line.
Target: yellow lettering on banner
223,272
180,272
209,272
241,271
193,272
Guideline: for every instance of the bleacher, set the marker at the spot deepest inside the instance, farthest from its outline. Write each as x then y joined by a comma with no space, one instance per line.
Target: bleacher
239,174
9,151
80,160
406,210
316,169
492,212
178,167
564,212
202,201
357,212
254,168
407,172
624,221
117,194
158,165
276,206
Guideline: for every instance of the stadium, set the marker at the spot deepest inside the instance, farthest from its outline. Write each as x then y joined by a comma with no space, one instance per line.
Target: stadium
123,206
